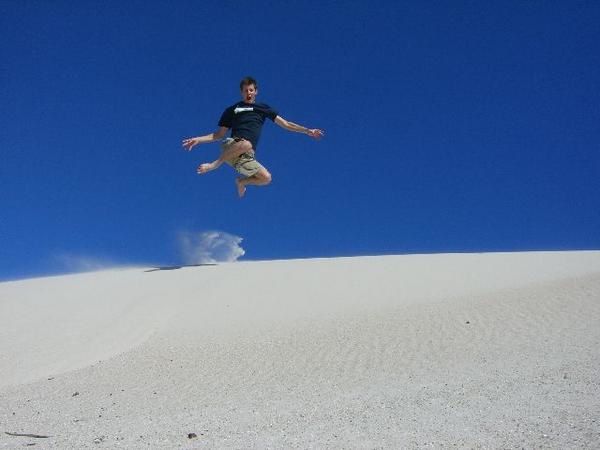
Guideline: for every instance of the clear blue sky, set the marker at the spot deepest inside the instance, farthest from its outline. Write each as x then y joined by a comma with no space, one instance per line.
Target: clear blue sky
451,126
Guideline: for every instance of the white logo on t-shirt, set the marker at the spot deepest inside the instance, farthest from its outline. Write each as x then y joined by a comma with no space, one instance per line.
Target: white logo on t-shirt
239,109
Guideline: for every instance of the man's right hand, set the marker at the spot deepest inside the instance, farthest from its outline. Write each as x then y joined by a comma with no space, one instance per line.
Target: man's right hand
189,143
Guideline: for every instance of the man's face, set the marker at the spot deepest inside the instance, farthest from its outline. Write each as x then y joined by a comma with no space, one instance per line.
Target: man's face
249,92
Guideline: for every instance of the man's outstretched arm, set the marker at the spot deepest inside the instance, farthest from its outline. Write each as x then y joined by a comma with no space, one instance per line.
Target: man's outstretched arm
291,126
190,143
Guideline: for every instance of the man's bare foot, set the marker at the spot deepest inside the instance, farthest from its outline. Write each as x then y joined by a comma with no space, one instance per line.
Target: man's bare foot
241,187
206,167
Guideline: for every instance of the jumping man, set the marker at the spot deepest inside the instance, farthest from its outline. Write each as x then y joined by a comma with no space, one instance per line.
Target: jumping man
245,119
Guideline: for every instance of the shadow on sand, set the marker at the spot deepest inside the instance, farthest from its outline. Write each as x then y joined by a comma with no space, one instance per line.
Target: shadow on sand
178,267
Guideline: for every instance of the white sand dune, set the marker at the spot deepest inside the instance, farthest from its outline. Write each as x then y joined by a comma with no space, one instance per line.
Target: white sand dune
469,350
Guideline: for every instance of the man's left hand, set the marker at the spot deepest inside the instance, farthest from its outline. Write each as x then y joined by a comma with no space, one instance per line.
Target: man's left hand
315,133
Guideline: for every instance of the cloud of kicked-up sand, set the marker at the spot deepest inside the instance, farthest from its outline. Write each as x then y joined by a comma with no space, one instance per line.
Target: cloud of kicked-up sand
209,247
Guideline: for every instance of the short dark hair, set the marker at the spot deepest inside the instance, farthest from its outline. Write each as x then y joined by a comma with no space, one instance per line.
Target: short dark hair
247,81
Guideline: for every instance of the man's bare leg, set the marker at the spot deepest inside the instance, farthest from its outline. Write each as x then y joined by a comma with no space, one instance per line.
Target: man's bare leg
207,167
232,153
261,178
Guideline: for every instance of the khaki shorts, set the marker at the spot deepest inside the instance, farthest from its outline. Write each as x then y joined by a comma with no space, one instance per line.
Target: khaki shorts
245,164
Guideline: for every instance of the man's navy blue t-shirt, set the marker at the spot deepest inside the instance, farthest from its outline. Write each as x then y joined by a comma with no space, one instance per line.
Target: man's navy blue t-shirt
246,120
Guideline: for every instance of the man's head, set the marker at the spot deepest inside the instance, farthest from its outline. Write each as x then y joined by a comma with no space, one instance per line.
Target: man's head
249,89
